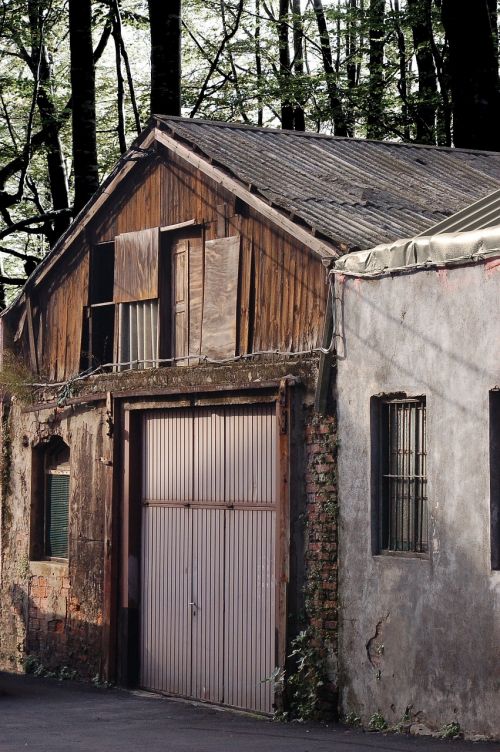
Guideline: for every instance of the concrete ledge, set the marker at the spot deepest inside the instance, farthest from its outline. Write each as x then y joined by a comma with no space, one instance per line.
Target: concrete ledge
49,568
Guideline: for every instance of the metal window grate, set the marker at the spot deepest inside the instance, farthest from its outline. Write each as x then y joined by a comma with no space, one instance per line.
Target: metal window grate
403,475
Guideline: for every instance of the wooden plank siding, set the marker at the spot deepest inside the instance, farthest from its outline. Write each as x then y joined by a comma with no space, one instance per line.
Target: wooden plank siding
282,288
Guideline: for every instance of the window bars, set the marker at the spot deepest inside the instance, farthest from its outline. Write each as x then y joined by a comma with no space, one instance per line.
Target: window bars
403,475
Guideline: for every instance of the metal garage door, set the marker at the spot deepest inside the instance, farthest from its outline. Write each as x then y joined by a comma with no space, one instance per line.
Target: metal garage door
208,538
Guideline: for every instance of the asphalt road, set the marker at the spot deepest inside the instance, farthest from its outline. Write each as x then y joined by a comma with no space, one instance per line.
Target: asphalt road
44,715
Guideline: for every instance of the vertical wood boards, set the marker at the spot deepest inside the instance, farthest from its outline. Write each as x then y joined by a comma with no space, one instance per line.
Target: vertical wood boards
136,266
60,309
218,332
196,275
281,293
180,299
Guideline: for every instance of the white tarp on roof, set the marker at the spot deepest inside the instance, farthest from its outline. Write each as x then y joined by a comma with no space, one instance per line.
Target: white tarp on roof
431,250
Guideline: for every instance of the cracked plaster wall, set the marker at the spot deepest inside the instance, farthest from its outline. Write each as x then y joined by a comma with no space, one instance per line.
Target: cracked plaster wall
422,633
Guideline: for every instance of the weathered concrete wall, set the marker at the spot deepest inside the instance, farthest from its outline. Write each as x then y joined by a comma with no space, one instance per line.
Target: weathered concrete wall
422,633
52,610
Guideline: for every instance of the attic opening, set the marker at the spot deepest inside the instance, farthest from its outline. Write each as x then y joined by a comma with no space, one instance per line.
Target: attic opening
161,296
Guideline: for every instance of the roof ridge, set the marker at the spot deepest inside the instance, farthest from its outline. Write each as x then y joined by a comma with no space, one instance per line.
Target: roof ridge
164,119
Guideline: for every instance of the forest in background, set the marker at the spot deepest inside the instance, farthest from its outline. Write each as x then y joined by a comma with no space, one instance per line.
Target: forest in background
79,79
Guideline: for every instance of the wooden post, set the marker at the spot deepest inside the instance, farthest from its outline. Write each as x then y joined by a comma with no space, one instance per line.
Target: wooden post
282,524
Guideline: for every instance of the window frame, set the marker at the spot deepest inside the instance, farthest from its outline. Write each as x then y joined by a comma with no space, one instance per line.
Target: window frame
45,466
395,492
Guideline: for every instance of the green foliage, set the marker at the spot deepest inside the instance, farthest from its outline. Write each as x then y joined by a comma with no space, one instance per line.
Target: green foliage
32,665
450,730
101,683
352,719
304,685
15,378
377,722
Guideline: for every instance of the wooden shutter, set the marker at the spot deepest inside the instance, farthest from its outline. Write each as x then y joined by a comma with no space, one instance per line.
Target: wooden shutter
180,298
136,266
220,297
56,515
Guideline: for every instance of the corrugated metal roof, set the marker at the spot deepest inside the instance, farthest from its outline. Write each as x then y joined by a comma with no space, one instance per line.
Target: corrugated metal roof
356,193
478,216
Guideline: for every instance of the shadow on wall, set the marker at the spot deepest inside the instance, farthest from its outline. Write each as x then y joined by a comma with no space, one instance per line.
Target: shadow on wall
60,637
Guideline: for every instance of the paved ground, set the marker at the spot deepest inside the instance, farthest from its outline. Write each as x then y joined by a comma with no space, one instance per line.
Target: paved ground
44,715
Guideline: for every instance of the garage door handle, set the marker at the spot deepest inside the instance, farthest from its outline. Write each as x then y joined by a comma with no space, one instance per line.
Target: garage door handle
192,604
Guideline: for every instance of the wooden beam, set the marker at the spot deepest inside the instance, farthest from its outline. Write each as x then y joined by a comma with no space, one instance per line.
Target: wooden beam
31,337
318,247
326,363
179,225
110,547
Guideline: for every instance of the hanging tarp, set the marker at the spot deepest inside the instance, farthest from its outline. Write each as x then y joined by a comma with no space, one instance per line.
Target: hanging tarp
431,250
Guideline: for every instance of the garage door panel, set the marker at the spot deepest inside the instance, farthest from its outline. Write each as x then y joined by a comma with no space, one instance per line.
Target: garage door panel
165,613
250,454
208,581
208,597
208,455
168,456
249,653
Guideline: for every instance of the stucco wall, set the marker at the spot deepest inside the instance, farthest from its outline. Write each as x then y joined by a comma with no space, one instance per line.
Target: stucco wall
422,633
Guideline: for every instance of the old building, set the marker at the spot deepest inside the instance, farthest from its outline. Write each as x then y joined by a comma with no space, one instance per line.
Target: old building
418,379
161,451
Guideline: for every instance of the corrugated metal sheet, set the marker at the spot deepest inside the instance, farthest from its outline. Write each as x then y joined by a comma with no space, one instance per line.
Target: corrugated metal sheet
356,192
165,648
480,215
249,651
208,578
209,563
215,455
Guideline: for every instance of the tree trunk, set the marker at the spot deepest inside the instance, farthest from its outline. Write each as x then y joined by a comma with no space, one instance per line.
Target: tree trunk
49,120
299,120
285,66
474,81
120,89
165,30
403,78
420,12
83,101
351,51
337,111
493,11
375,115
258,65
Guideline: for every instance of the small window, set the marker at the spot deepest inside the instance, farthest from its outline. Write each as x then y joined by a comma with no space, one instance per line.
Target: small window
401,475
50,507
99,316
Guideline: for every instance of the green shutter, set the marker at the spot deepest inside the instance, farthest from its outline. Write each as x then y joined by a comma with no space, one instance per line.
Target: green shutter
56,522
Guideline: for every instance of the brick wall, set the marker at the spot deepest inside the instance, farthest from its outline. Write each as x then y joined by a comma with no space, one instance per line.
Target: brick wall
321,594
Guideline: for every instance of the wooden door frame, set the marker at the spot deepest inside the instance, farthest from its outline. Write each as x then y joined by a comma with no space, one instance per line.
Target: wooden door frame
129,513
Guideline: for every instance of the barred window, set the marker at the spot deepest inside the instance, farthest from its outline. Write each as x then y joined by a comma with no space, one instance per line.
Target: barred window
402,475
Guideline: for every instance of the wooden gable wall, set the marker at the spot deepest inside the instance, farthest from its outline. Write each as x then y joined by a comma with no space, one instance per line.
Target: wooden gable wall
281,288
